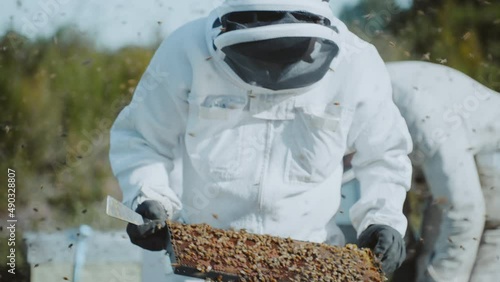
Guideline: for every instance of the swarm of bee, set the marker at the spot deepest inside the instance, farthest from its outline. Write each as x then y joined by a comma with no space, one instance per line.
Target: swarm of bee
254,257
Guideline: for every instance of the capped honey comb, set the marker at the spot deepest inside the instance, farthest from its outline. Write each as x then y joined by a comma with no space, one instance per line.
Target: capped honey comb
201,251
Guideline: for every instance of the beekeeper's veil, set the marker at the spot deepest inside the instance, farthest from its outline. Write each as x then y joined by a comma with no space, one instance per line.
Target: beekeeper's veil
275,44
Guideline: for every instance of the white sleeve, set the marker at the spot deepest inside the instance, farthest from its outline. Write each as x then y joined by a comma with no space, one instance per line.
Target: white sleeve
453,179
380,137
147,132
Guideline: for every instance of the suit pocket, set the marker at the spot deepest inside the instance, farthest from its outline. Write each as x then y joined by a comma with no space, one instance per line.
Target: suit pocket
214,138
316,143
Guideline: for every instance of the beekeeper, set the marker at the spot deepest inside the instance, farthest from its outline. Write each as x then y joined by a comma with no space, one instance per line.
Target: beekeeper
263,99
455,125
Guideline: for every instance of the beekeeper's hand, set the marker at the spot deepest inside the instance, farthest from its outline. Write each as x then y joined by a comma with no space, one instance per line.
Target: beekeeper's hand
386,243
152,235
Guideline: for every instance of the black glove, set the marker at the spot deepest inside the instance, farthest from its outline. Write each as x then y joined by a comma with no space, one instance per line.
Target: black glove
386,243
152,235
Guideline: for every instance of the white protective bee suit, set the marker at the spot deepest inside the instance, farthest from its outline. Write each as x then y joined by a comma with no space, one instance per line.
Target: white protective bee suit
455,125
265,159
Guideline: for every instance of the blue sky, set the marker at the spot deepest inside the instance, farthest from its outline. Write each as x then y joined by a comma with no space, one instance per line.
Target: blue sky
113,23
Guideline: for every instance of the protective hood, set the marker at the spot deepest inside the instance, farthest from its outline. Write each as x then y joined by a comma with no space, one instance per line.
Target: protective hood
275,45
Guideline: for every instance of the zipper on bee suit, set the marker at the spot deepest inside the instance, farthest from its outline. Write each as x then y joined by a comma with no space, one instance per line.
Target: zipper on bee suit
265,162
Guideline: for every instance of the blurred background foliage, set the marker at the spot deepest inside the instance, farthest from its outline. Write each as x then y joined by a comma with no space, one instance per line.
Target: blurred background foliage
60,95
463,34
59,99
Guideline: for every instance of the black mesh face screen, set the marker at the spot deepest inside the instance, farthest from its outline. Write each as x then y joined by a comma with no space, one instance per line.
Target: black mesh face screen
279,51
282,63
250,19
